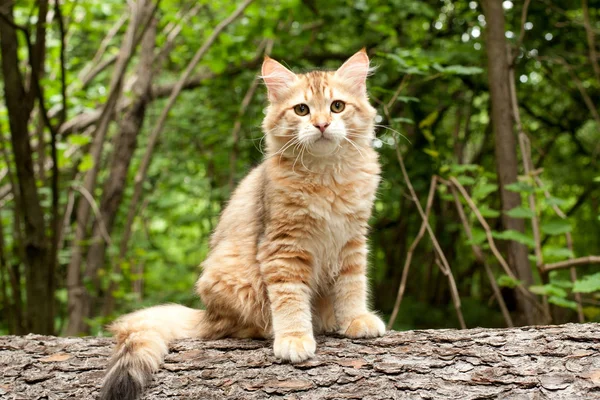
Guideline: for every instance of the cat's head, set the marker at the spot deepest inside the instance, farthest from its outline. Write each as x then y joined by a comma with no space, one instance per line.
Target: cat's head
321,112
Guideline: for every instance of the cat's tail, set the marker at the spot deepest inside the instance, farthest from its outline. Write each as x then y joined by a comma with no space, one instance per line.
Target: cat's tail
142,343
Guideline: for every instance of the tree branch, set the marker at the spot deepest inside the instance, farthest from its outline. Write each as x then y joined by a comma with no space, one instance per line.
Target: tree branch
571,263
409,254
480,257
590,39
159,125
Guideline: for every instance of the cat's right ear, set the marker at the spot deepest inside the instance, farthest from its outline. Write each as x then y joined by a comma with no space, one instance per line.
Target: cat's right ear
277,78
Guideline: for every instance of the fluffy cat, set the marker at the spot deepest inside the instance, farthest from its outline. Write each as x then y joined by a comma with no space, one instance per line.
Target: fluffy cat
288,258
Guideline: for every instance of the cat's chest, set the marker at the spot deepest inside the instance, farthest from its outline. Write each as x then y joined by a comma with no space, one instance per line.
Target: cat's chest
337,214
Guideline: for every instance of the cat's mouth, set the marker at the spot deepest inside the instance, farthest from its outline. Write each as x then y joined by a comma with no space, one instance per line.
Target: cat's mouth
324,137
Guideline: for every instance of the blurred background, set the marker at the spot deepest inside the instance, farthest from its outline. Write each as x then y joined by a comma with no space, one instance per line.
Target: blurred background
125,126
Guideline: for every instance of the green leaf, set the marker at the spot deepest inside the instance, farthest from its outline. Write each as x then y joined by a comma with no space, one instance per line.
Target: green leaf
562,302
429,120
548,290
461,70
517,236
465,180
520,212
562,283
432,153
557,253
554,201
481,191
462,168
507,281
589,284
79,140
556,227
520,187
478,237
488,212
597,179
87,162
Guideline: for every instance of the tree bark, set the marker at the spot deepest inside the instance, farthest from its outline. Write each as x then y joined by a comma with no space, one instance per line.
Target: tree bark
77,295
558,362
19,103
507,163
124,144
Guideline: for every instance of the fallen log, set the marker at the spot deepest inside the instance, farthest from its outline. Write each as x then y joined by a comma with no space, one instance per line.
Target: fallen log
554,362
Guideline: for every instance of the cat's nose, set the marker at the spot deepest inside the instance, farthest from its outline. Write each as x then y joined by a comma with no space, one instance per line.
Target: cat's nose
322,126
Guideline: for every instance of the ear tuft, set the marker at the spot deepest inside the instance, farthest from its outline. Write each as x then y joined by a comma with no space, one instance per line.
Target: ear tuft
277,78
355,71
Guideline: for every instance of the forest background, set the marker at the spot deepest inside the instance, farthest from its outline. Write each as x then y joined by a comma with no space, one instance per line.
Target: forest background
125,126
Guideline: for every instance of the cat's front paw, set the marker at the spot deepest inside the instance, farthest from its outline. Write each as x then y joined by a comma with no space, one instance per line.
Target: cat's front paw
364,326
294,348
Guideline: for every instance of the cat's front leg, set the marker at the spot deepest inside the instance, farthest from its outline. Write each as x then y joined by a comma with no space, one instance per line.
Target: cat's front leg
350,294
287,276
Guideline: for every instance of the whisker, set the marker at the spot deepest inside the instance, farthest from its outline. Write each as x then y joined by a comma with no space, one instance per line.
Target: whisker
355,146
395,131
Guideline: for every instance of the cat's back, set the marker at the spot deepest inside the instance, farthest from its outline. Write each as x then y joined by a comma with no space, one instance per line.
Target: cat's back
242,216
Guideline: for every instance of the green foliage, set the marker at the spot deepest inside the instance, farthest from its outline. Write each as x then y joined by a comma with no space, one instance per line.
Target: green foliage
517,236
441,119
507,281
589,284
556,227
520,212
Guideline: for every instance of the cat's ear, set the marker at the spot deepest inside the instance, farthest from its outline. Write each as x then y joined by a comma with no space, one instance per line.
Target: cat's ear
277,78
355,70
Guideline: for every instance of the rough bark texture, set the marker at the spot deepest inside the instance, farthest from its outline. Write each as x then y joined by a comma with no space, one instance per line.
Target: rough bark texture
507,164
554,362
19,103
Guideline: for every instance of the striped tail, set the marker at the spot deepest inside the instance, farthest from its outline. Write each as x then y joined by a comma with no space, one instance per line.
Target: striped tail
142,343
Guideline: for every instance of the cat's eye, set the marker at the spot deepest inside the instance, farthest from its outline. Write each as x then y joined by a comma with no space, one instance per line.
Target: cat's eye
301,109
338,106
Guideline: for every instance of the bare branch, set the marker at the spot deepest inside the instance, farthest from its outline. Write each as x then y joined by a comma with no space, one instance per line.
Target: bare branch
480,257
521,33
571,263
159,125
492,244
88,73
586,97
525,147
237,126
94,205
409,254
573,272
590,39
74,281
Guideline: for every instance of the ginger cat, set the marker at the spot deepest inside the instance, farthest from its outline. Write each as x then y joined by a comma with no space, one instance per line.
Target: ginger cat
288,258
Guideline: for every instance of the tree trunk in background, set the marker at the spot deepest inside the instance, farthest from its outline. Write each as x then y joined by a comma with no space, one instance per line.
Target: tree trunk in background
506,147
124,144
77,294
19,103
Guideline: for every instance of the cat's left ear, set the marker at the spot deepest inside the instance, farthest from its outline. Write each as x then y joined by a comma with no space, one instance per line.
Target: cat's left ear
355,71
277,78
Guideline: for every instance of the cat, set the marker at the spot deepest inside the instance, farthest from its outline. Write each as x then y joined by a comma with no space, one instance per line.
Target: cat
288,258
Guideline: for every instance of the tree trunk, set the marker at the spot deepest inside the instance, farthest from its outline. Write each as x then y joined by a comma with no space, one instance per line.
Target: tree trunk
506,147
558,362
77,295
38,266
124,145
